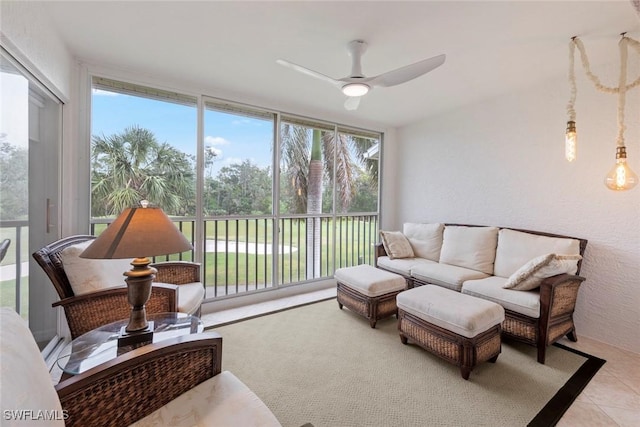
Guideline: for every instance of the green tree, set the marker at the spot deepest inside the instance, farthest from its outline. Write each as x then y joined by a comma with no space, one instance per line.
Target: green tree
133,166
242,189
14,182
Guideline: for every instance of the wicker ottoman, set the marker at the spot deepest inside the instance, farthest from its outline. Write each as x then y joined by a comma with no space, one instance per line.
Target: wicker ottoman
369,291
459,328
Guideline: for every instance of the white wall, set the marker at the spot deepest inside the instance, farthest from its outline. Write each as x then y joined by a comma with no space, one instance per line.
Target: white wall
502,163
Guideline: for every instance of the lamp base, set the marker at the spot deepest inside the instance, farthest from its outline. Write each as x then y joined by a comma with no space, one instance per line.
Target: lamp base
137,338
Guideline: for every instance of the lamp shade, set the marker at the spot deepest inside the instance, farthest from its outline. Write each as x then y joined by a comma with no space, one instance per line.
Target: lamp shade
137,233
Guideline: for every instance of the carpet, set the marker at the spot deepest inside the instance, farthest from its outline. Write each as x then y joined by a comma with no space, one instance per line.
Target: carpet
321,365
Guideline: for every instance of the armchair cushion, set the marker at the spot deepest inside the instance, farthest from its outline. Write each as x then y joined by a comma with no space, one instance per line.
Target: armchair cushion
220,401
470,247
90,275
190,297
491,288
25,379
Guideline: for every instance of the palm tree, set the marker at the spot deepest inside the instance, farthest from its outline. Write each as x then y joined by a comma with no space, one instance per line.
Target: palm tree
132,166
308,159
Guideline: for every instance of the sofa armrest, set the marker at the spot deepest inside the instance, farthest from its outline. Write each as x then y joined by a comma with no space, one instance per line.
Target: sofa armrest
139,382
89,311
177,272
378,252
558,294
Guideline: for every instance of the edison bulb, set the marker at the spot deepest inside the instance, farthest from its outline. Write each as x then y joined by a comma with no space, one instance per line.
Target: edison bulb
621,177
570,141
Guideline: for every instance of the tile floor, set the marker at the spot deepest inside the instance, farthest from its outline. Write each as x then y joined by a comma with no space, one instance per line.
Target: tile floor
612,398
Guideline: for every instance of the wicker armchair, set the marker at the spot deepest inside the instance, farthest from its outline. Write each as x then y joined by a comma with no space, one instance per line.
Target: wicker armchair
89,311
178,379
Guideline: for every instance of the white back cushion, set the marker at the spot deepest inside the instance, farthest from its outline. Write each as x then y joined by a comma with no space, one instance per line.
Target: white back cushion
470,247
91,275
425,239
516,248
24,377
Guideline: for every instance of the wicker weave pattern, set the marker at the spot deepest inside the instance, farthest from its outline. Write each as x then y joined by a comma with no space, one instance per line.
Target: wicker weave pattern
559,330
132,393
354,303
488,349
387,307
177,272
525,331
564,298
431,341
373,308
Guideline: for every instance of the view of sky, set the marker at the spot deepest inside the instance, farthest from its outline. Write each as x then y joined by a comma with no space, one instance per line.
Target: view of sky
233,138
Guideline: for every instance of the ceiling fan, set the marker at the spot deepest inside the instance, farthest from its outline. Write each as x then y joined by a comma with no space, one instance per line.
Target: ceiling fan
357,84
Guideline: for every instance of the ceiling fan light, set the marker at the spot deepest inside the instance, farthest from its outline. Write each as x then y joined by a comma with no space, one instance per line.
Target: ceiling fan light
355,89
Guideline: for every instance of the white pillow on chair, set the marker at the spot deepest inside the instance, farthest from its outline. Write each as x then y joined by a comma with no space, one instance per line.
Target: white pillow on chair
530,275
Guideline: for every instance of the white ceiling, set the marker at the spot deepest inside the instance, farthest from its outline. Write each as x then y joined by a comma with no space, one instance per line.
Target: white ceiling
229,49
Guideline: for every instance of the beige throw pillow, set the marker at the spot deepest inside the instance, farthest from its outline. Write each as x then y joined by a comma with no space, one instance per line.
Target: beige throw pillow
396,244
530,275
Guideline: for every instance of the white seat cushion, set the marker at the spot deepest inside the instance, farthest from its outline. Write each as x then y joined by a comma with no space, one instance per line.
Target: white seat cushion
401,266
25,382
91,275
516,248
449,276
470,247
455,312
425,239
220,401
190,297
523,302
369,280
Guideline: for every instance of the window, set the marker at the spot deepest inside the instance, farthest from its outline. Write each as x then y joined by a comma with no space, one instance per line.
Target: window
268,199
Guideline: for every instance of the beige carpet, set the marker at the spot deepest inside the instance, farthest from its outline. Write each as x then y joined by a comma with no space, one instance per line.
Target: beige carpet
326,366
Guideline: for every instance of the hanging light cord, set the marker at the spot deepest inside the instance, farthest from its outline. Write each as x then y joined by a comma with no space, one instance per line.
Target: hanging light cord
572,82
622,90
594,79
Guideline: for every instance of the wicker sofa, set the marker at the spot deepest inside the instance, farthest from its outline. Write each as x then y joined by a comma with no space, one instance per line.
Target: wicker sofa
480,261
174,382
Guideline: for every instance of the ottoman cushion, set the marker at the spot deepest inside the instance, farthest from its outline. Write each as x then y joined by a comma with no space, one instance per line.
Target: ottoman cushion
461,314
370,281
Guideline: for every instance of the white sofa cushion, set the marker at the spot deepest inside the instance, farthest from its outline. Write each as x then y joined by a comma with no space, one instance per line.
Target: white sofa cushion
470,247
530,275
220,401
425,239
90,275
491,288
516,248
396,244
190,297
24,377
369,280
449,276
460,314
401,266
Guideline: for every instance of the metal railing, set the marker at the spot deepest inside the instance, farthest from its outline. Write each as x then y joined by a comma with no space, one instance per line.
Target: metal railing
238,253
12,277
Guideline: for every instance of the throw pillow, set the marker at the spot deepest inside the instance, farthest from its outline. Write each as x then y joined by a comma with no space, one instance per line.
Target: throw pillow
396,244
90,275
530,275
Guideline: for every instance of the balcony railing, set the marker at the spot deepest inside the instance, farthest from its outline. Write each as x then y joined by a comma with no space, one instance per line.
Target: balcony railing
14,271
238,253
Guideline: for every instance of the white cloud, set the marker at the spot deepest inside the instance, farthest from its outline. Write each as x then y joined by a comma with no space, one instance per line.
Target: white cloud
215,151
100,92
215,140
233,161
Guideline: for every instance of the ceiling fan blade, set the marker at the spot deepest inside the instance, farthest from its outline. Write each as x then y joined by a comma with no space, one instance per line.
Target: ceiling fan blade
408,72
352,103
308,72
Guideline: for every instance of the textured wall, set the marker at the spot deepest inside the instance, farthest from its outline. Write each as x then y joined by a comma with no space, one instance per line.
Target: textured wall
39,48
502,163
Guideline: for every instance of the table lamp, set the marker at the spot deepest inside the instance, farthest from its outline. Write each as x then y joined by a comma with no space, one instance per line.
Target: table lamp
138,233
